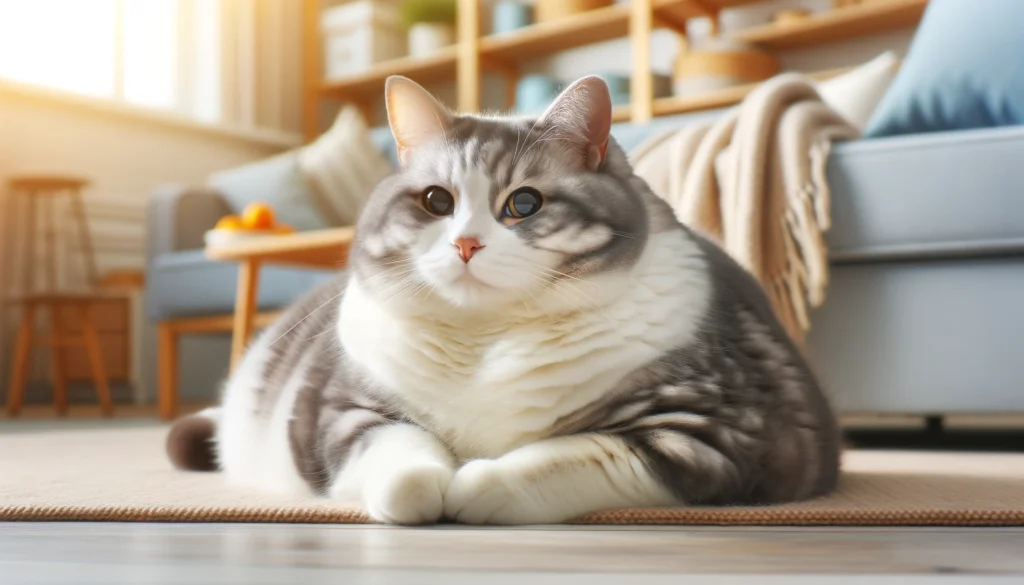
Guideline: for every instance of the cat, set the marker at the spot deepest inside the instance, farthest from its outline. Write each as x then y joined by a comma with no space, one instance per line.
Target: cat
525,334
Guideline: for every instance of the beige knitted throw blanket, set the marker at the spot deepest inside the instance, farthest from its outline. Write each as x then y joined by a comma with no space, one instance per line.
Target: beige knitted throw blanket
754,182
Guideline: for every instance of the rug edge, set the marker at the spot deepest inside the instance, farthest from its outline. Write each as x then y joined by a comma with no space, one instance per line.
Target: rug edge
625,517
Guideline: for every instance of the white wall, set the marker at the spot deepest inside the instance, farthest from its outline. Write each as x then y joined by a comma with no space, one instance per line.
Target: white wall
124,156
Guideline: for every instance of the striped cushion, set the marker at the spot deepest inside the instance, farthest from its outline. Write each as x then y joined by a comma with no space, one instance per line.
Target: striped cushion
343,166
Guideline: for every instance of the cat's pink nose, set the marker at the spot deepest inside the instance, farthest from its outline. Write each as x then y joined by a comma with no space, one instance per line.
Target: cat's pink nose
467,247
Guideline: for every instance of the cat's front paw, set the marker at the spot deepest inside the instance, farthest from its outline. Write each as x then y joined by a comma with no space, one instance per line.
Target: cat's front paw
482,492
411,495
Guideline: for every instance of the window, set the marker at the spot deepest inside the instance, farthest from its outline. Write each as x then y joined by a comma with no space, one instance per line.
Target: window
159,54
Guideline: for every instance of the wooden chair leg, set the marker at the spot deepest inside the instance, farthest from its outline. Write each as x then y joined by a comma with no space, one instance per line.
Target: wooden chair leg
95,352
246,296
167,366
58,363
22,358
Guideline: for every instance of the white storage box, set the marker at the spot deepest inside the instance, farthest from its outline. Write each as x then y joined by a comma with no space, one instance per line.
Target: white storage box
359,34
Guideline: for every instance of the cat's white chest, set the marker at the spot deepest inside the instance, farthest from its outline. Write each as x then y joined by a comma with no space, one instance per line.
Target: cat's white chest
487,388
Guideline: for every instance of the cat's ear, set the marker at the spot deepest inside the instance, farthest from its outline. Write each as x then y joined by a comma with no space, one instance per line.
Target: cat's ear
415,116
583,114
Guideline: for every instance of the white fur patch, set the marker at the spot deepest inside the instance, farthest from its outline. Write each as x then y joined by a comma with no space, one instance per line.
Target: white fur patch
253,451
488,382
553,481
401,476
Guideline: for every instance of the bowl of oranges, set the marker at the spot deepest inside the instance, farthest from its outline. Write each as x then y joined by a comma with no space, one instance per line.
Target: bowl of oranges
256,221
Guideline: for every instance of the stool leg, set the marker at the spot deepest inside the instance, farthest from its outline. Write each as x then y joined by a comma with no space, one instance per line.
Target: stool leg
22,357
58,363
99,372
167,365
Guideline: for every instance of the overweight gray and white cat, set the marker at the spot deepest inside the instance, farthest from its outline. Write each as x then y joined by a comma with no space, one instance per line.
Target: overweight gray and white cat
526,334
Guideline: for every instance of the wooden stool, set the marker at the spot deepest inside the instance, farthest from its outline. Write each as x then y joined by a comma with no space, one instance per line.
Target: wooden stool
59,340
37,196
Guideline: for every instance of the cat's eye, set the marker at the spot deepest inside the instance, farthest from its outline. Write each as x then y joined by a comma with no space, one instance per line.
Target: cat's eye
522,202
438,202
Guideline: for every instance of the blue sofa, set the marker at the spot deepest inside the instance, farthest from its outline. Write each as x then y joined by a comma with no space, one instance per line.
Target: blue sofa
924,314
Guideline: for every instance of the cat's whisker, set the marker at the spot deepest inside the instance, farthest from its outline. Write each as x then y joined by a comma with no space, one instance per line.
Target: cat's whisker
534,143
399,261
515,153
532,128
558,273
554,287
297,323
324,332
391,274
393,291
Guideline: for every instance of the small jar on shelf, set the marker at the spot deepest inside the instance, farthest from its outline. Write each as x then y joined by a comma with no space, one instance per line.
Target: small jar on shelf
431,25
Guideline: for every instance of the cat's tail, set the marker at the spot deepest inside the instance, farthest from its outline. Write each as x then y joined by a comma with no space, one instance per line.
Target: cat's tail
190,441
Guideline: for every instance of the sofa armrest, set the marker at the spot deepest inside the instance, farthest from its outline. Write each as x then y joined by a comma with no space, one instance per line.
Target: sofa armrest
178,216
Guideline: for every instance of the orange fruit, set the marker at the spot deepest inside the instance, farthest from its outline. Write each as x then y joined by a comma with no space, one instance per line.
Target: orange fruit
258,216
229,222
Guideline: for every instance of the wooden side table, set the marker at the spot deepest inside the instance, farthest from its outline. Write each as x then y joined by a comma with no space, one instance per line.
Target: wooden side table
327,249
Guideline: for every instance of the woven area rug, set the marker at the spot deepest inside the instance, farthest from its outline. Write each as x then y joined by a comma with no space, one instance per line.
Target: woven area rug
122,475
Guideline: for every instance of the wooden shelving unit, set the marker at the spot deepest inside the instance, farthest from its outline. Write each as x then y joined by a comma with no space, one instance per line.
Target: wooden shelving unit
720,98
840,24
369,84
599,25
595,26
466,61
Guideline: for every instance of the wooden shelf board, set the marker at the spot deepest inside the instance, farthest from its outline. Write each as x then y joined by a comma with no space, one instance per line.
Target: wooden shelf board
678,11
437,67
838,24
543,39
621,113
720,98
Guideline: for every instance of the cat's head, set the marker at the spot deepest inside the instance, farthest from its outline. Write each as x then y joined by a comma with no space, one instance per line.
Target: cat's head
490,212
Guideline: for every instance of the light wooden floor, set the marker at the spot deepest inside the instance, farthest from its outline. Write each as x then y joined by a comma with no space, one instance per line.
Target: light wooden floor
308,555
44,412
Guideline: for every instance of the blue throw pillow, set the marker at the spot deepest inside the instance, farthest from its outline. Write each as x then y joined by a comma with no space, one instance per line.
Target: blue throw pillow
964,69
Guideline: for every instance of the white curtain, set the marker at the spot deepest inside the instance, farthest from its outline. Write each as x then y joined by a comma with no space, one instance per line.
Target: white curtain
261,56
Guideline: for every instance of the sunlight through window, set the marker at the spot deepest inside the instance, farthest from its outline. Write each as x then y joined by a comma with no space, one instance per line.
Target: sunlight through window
150,45
63,44
160,54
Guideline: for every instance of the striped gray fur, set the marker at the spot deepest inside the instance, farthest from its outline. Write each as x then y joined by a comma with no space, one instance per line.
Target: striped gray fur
733,416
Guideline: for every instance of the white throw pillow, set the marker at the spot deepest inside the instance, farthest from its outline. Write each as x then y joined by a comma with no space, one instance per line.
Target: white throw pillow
856,93
344,166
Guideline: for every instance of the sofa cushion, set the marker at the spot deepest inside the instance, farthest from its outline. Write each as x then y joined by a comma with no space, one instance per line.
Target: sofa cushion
187,284
942,194
963,70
